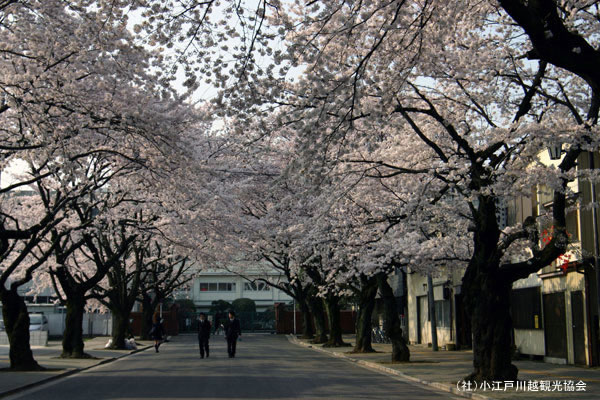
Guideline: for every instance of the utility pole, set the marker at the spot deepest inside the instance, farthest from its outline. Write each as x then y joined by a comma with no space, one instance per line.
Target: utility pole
596,253
430,300
294,310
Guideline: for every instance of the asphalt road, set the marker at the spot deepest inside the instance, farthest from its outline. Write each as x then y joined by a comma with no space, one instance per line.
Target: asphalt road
266,367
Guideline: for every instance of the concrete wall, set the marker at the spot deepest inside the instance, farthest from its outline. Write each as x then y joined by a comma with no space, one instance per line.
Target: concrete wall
97,324
56,324
93,324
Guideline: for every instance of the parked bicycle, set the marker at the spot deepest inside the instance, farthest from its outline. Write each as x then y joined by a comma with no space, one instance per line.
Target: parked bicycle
379,336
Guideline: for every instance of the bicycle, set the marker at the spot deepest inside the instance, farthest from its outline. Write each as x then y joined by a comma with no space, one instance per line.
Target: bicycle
379,336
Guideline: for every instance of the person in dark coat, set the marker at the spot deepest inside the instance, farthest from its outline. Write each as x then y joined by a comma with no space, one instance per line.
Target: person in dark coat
157,331
203,334
232,332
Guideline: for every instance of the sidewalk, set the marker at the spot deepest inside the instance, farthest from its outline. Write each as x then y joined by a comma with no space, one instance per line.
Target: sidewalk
444,369
48,357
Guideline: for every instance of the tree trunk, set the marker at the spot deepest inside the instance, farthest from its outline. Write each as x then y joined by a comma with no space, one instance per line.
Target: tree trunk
335,326
487,300
307,330
365,314
487,296
316,308
16,323
148,307
120,328
391,321
72,343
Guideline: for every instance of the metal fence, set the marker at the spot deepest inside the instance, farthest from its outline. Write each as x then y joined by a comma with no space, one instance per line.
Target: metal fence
249,321
93,324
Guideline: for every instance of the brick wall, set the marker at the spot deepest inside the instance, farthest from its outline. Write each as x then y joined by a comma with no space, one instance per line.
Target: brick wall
284,320
170,323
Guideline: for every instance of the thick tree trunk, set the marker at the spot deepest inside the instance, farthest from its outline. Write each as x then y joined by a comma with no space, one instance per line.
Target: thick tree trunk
487,296
335,326
391,321
318,312
487,300
16,323
72,343
365,314
120,328
307,330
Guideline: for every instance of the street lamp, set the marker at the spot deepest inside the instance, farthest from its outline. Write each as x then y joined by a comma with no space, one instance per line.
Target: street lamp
555,150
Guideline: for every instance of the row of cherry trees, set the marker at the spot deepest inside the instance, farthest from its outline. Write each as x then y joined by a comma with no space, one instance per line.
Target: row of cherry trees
355,137
91,147
406,124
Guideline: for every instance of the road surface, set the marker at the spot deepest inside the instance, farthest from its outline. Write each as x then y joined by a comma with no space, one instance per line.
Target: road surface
266,367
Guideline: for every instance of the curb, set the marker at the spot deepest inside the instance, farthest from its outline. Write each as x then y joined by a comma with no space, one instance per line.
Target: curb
371,365
67,373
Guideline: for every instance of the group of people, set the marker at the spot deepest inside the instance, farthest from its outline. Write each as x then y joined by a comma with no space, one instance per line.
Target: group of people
233,331
232,328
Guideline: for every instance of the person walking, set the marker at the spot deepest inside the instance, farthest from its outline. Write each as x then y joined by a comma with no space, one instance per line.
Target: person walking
157,331
232,332
203,334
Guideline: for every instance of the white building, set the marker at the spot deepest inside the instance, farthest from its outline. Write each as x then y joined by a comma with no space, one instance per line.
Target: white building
220,284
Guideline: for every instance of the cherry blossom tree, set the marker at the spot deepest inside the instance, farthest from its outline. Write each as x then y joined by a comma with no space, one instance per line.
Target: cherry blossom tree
78,106
167,273
52,201
22,254
473,111
456,98
79,268
247,219
125,250
473,99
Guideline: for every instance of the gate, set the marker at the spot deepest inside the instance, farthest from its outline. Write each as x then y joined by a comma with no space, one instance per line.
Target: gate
249,321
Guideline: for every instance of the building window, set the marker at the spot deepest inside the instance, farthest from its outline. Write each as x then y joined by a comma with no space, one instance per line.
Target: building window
226,287
442,313
526,308
256,286
217,287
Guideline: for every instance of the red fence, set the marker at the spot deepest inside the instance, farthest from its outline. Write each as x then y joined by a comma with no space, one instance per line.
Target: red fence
284,320
170,323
